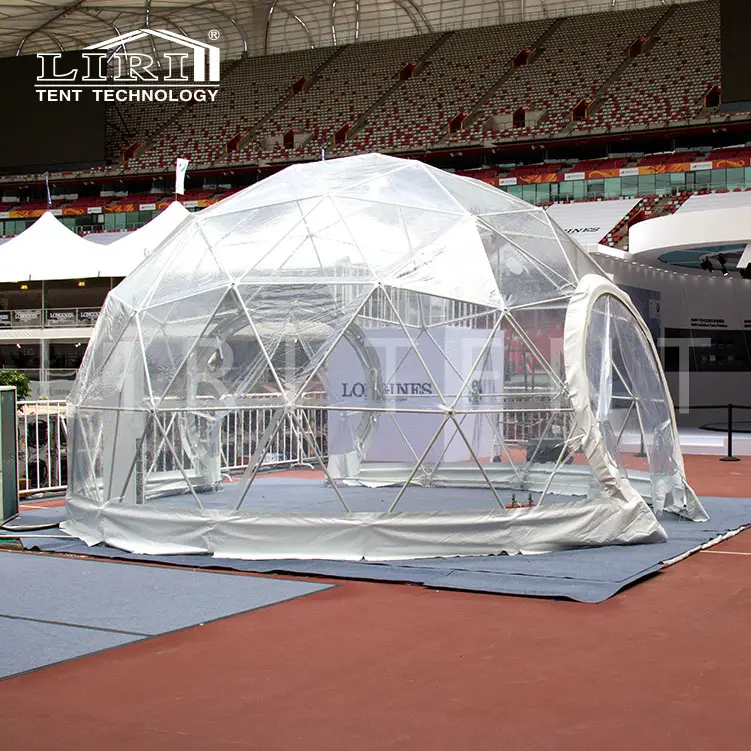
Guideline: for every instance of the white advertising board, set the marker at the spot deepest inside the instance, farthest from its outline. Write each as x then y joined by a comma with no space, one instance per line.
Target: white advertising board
413,384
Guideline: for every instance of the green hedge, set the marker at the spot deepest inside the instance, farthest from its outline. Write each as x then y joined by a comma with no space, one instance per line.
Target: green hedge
17,379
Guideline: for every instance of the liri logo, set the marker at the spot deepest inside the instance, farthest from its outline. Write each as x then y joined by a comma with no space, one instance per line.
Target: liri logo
114,74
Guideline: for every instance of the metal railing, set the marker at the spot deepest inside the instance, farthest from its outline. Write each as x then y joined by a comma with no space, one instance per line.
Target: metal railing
43,442
42,446
301,439
43,439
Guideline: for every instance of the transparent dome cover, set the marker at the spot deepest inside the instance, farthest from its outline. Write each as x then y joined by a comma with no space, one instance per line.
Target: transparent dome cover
428,359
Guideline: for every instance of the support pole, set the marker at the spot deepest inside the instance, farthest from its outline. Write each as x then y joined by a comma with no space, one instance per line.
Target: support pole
730,457
642,453
44,374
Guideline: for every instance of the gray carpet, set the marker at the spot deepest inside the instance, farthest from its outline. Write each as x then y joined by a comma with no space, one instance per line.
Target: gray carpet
56,608
29,645
587,575
312,497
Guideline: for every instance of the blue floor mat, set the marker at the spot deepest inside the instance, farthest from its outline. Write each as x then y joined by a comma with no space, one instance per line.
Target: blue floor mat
28,645
586,575
54,608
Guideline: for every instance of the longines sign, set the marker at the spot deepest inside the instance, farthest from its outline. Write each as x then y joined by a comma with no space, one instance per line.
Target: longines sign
412,388
178,76
411,381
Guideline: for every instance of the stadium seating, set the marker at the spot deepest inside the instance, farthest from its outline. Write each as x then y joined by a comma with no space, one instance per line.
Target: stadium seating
466,77
730,153
346,88
548,78
252,88
669,81
460,71
576,60
136,199
84,203
40,205
133,124
643,210
674,157
480,86
200,195
530,170
675,202
599,164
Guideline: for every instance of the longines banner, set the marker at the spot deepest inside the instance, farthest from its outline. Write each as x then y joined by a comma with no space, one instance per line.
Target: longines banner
64,317
589,222
408,385
31,318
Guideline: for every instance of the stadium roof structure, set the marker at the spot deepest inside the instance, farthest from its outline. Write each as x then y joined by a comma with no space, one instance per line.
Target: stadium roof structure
270,26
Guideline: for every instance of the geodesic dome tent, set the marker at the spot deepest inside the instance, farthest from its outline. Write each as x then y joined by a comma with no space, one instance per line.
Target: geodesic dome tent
463,376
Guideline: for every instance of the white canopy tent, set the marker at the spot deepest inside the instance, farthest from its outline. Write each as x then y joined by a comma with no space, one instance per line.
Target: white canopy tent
119,258
48,250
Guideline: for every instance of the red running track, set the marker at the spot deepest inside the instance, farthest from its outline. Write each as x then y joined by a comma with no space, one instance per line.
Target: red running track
664,665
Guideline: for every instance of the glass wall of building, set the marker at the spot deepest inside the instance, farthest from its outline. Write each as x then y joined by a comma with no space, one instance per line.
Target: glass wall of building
736,178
